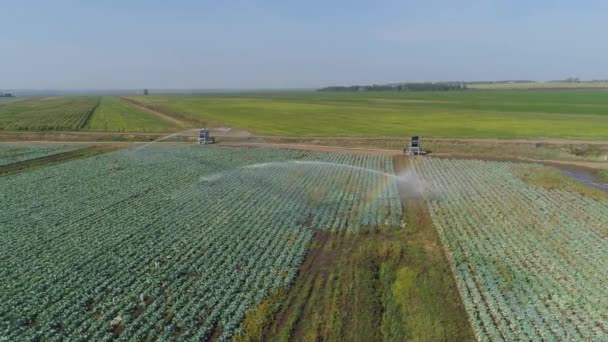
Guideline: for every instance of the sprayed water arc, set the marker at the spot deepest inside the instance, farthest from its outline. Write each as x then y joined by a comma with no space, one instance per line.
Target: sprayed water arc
181,133
407,177
290,163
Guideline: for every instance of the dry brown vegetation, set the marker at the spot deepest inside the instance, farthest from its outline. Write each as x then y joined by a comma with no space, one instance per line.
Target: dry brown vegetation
388,283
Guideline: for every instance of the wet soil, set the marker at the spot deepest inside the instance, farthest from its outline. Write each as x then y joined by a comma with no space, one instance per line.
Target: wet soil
584,176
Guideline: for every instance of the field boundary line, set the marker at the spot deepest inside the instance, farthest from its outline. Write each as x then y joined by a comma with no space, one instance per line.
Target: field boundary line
85,119
53,159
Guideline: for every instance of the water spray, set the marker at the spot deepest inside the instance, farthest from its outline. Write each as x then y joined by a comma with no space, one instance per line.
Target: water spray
182,133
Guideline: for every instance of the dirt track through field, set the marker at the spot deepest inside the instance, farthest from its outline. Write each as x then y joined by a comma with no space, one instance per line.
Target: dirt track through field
236,132
154,112
313,147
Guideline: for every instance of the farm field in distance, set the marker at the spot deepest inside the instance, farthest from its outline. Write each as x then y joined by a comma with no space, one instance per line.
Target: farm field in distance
579,114
75,113
116,115
492,114
540,85
52,113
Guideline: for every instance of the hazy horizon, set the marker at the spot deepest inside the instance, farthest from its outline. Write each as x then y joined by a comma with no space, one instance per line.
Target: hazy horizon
192,45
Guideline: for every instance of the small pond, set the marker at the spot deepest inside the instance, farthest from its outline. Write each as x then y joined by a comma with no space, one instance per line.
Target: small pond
585,177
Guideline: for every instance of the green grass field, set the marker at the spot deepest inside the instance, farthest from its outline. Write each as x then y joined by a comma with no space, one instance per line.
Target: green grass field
504,114
115,115
8,100
472,114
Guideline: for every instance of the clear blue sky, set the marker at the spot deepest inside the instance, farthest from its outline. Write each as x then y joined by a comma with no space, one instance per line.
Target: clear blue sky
273,44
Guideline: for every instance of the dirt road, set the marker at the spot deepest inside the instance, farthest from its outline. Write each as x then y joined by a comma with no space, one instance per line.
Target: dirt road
315,147
240,133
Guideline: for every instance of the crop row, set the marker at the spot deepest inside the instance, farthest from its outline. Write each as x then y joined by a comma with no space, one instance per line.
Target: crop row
167,242
61,113
10,154
530,263
116,115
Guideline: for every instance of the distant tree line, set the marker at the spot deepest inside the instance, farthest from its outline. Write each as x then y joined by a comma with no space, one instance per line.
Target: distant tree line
501,82
566,80
439,86
6,94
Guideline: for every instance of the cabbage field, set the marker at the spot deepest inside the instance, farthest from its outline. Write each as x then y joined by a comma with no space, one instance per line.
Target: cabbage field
530,263
181,242
168,242
10,154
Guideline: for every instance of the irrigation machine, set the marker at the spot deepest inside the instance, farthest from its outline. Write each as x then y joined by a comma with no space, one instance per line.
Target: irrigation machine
414,148
205,138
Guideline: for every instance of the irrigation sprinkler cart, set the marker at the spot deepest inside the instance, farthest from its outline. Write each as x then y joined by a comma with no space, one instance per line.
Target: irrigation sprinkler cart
205,138
414,148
